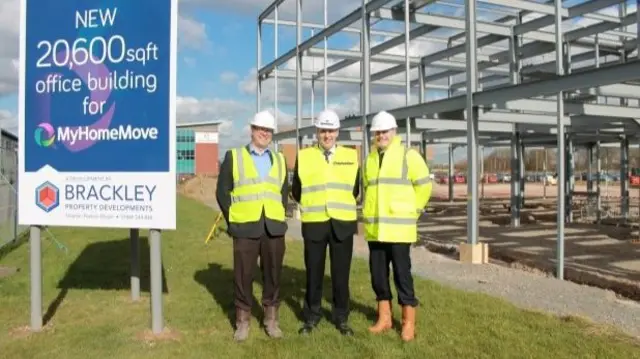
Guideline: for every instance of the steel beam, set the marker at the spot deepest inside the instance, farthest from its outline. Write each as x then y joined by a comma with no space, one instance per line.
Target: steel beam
393,59
353,30
460,125
452,22
352,17
266,12
549,106
308,76
500,97
608,75
493,38
531,49
585,9
397,40
527,5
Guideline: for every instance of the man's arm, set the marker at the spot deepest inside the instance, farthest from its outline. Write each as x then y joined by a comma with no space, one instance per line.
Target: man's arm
296,186
356,185
225,185
285,186
419,176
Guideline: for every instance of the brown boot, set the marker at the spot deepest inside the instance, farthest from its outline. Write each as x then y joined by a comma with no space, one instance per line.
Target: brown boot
408,323
271,322
242,325
384,318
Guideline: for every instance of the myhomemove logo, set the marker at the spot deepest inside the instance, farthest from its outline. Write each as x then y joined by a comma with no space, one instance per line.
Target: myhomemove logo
71,135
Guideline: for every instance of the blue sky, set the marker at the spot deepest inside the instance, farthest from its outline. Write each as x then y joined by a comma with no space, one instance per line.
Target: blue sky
217,60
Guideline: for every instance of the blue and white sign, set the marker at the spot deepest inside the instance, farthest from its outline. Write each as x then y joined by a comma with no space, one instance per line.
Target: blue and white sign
97,113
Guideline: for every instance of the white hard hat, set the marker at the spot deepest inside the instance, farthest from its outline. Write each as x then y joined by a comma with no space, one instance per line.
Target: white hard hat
264,119
383,121
328,119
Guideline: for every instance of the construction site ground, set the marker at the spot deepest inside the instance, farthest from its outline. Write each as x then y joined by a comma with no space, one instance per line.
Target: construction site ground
605,256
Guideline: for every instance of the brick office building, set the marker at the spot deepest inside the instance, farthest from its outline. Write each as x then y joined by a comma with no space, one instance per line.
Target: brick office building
197,148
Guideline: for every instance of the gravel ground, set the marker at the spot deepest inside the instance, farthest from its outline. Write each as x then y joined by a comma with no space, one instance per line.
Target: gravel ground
524,289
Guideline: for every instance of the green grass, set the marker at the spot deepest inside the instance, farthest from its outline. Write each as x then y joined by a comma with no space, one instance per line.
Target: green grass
86,295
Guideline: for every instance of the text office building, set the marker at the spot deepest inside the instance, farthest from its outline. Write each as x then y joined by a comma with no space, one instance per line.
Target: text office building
197,148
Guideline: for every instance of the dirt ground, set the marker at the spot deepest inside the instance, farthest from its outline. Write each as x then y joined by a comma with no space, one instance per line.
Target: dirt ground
605,256
201,188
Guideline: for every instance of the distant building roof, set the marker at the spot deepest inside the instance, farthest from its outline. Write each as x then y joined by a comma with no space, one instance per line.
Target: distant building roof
198,124
9,134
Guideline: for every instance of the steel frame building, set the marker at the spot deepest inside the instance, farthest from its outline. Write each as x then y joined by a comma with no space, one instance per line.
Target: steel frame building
502,101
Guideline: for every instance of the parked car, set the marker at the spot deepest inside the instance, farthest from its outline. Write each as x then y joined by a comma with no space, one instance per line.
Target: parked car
459,178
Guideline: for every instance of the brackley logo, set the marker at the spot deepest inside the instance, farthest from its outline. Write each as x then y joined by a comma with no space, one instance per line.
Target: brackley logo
47,196
44,135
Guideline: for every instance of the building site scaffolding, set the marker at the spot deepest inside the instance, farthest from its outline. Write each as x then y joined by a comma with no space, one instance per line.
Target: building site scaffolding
529,73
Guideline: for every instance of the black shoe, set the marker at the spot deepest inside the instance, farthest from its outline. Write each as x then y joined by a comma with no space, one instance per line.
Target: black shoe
344,329
307,328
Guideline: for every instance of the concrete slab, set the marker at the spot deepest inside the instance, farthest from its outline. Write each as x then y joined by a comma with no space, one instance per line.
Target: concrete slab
601,256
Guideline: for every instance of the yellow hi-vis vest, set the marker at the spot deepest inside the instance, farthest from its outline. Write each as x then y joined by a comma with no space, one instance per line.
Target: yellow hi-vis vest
394,198
251,194
327,188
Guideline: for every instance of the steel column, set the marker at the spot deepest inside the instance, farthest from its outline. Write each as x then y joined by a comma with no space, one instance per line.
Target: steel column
560,163
624,178
598,179
365,71
298,72
451,170
259,63
472,124
515,179
407,64
275,75
521,173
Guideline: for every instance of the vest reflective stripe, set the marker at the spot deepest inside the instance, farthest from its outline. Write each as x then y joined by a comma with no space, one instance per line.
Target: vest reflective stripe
421,181
256,197
389,211
389,220
324,187
330,205
251,194
327,188
403,179
243,180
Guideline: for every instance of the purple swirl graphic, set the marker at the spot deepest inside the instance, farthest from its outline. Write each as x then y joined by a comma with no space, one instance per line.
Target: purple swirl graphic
47,128
97,71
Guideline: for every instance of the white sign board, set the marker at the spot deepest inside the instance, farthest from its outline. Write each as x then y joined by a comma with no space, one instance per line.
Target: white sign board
206,137
98,113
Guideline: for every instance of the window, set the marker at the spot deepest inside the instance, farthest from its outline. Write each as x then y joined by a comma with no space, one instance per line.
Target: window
185,136
186,154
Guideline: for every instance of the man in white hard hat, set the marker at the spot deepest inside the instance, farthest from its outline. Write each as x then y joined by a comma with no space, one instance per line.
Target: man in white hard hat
325,184
252,194
397,189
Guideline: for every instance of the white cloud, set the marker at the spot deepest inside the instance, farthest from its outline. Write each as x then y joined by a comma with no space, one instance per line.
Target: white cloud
228,77
233,115
9,34
192,33
312,9
8,121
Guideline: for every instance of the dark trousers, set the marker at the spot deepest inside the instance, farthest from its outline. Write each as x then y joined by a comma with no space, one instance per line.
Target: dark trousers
340,254
270,250
398,255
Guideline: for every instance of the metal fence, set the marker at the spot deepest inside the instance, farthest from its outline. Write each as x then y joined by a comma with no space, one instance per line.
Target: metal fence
9,229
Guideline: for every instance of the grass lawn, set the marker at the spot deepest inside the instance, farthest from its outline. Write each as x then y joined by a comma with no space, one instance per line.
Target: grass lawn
90,314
